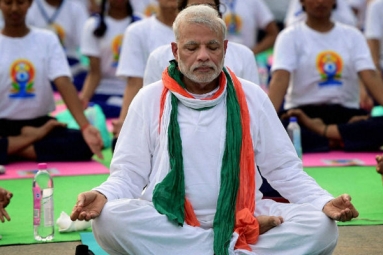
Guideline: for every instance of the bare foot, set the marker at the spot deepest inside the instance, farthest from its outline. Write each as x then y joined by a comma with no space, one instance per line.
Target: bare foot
314,124
39,132
268,222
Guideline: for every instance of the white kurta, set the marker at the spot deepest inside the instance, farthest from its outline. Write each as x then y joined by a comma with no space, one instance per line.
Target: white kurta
136,162
238,58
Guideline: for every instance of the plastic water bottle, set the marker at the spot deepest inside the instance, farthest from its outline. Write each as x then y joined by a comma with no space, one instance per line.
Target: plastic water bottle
43,217
294,132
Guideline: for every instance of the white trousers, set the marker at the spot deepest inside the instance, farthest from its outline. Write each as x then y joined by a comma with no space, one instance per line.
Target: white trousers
134,227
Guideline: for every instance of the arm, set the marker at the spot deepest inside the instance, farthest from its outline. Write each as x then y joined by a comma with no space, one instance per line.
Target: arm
374,84
69,94
268,41
134,84
92,81
374,45
278,87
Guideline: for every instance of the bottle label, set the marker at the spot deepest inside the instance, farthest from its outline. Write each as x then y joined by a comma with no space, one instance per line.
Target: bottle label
48,207
36,205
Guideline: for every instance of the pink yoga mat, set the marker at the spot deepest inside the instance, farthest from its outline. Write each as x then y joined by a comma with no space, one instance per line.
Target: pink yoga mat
28,169
340,158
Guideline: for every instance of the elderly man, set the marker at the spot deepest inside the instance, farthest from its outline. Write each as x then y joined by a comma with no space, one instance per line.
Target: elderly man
183,177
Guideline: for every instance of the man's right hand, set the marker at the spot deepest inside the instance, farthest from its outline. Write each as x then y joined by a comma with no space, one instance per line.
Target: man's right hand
5,199
89,206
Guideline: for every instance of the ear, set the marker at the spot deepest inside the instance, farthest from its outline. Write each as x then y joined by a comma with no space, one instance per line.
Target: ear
225,45
175,50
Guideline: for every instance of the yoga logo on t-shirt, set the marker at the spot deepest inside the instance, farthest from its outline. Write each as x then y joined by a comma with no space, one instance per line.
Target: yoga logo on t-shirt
22,74
233,23
150,10
330,66
116,48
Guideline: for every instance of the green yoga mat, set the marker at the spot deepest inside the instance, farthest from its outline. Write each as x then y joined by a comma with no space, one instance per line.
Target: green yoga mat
20,229
362,183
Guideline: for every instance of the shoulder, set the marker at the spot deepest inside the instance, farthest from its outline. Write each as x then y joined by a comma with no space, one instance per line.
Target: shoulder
141,24
238,47
161,52
348,29
150,93
43,34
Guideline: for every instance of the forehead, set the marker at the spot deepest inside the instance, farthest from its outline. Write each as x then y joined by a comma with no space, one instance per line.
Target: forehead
200,33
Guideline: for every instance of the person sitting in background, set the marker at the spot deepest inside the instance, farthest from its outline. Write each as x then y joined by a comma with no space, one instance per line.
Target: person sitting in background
66,19
319,72
31,58
183,175
136,48
5,199
101,42
238,58
244,18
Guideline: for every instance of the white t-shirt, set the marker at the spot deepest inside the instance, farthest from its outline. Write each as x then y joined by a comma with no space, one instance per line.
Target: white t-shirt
27,65
67,21
107,49
323,66
145,7
374,24
244,18
343,13
238,58
140,39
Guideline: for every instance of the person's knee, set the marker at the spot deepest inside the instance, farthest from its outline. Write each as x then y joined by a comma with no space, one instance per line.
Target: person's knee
326,233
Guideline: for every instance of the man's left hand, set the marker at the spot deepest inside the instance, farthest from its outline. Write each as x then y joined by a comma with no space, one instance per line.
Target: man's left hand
340,208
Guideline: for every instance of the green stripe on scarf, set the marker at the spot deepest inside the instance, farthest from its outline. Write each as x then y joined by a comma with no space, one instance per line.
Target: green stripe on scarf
169,195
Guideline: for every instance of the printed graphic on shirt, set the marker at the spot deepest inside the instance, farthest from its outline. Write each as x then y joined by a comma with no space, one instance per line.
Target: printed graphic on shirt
59,31
329,65
233,23
150,10
116,48
22,74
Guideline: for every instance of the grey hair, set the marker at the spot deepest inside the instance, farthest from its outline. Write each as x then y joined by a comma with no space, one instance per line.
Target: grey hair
200,14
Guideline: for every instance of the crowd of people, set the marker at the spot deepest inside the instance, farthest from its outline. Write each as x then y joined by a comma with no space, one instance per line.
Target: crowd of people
194,133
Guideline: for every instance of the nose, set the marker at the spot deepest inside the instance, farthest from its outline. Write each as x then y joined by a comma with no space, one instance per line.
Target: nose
203,54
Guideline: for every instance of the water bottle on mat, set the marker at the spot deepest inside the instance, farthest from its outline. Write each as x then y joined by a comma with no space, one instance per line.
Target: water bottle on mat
43,217
294,132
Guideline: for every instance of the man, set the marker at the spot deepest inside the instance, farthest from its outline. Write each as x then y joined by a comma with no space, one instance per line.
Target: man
183,175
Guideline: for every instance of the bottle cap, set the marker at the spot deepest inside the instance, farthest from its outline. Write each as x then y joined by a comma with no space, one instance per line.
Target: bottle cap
42,166
293,119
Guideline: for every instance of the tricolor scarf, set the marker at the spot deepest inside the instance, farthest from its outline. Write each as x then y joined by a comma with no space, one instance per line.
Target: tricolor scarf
236,199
